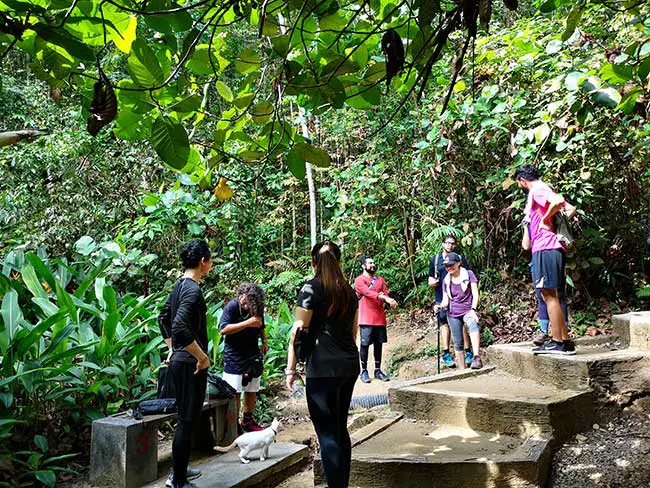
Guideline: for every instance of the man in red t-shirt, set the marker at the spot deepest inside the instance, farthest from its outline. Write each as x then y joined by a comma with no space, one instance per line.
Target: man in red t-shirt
372,293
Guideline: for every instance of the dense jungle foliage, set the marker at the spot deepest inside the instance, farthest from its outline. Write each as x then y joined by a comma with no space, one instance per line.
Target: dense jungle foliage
219,125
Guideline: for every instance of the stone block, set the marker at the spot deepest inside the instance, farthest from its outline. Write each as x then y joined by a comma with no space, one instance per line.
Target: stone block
124,452
633,329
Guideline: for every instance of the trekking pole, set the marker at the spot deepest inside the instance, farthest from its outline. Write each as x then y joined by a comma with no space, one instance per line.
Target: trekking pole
438,327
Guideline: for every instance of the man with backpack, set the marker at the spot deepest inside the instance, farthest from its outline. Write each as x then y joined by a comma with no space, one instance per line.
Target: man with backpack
549,254
437,274
372,293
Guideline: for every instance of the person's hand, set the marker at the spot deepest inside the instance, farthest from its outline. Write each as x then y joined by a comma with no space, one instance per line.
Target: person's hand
265,347
392,302
201,364
168,358
435,282
291,379
545,225
255,322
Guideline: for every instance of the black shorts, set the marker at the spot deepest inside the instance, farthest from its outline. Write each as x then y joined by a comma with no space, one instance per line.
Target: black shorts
373,334
548,269
442,316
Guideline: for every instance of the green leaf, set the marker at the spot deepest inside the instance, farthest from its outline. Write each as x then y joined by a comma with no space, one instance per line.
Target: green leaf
541,133
47,477
248,61
606,96
262,112
110,325
572,80
224,91
549,6
313,155
62,38
85,245
170,141
296,163
644,69
202,60
46,305
31,281
628,103
132,126
572,21
7,399
616,73
167,23
41,268
12,316
41,443
596,260
189,104
143,66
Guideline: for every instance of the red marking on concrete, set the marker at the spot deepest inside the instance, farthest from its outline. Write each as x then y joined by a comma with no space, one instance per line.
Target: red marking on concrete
142,442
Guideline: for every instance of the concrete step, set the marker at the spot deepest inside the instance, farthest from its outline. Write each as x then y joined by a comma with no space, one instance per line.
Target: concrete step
226,471
598,365
492,401
415,453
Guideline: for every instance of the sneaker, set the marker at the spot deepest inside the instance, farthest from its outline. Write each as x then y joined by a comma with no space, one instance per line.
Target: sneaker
249,425
380,375
569,348
469,356
552,347
540,338
448,360
192,473
365,377
476,362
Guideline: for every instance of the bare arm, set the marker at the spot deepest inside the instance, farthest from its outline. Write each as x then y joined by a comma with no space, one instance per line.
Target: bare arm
239,326
474,295
355,325
301,321
525,239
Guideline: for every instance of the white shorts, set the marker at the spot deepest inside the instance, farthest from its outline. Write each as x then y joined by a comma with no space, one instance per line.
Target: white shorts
234,380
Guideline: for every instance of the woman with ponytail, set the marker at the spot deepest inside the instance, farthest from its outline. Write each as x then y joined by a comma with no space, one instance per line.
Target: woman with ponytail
327,306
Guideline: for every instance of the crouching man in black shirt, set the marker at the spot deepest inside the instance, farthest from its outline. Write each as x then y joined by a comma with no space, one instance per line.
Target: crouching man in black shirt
242,324
182,323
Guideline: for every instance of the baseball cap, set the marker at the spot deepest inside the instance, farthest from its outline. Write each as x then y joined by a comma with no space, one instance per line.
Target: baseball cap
451,258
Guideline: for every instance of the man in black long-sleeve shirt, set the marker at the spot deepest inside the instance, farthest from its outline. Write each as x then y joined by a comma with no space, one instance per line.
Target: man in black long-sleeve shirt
182,323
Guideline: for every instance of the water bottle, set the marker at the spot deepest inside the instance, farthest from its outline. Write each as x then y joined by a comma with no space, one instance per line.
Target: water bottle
298,389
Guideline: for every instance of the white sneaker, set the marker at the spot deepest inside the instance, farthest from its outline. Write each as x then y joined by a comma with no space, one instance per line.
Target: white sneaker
192,474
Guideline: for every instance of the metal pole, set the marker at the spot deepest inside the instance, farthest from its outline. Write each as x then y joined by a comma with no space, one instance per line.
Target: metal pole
438,327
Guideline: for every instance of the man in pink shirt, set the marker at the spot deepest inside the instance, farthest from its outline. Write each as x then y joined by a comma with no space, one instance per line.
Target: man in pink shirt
372,293
549,257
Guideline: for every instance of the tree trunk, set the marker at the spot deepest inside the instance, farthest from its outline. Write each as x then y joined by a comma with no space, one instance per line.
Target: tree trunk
313,222
14,136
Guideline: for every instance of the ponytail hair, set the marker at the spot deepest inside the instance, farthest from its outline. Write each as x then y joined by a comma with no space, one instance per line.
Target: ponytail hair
326,256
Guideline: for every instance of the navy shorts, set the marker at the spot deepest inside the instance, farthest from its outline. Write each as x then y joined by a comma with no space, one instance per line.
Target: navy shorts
373,334
548,269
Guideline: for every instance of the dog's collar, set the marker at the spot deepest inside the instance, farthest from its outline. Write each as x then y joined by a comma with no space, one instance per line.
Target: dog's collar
274,431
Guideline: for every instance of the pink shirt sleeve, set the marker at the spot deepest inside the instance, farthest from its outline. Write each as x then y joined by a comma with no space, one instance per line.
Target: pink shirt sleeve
541,196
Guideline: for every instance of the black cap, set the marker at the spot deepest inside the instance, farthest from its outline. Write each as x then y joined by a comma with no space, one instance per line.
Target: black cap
451,258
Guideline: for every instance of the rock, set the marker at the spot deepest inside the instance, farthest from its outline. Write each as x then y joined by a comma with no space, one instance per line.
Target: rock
596,426
581,438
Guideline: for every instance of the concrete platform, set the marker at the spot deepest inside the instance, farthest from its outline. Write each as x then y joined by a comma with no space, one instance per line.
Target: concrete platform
595,365
493,401
226,471
416,453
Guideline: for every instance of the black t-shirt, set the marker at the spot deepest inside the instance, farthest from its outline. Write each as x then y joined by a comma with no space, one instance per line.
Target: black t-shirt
335,352
241,346
183,318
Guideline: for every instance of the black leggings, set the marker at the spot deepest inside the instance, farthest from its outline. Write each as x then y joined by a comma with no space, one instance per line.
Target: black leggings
190,393
328,400
363,354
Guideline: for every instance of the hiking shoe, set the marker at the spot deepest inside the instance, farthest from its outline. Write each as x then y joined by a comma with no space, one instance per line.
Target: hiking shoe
448,360
540,338
365,377
569,348
381,376
552,347
249,425
469,356
192,473
476,362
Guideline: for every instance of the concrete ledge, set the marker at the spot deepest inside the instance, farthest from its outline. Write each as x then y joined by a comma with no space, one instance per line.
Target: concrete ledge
405,456
500,403
634,329
226,471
